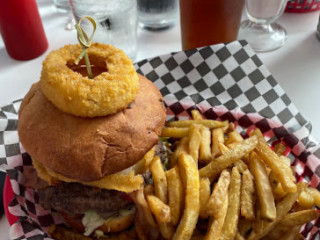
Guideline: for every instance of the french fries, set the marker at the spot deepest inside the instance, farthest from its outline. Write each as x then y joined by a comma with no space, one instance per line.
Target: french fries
217,137
264,191
194,142
282,171
247,196
306,200
315,194
205,149
282,209
216,166
229,229
207,123
204,196
175,132
159,209
196,115
218,185
291,220
219,194
159,179
183,146
233,137
216,223
190,175
280,149
175,194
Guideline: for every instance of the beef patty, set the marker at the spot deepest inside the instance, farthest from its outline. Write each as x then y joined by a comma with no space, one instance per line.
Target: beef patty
75,198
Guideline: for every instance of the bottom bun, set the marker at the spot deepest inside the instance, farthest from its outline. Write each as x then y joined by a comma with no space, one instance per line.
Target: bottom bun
62,233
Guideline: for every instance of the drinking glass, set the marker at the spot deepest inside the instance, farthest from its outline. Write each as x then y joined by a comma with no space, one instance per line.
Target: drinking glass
206,22
261,30
116,22
63,7
157,14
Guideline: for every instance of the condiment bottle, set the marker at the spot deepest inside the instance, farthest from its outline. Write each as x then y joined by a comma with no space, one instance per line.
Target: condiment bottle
21,29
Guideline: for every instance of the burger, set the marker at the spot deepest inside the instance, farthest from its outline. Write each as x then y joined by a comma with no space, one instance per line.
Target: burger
90,168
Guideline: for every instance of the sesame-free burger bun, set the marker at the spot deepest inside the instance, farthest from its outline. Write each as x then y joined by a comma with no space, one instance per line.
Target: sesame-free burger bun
86,149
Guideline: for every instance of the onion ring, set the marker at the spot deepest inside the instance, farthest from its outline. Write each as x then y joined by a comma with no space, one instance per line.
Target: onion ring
107,93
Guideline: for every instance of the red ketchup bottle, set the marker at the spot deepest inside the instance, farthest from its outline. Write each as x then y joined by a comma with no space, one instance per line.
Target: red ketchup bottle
21,29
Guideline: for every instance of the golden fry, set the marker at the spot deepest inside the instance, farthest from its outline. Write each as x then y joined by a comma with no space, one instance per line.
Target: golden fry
196,115
207,123
219,194
286,160
259,223
306,200
292,220
282,208
241,165
293,234
205,149
276,186
299,218
223,148
247,195
216,138
233,137
264,191
194,142
183,146
143,207
280,149
175,132
175,194
257,132
189,174
281,171
216,223
143,165
160,210
159,179
229,228
217,206
204,196
216,166
315,194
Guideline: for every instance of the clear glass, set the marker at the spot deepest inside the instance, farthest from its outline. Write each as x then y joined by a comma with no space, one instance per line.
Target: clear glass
260,30
63,7
116,22
157,14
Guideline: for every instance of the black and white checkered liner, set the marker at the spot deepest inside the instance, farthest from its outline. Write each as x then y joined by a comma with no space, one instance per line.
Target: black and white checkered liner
225,81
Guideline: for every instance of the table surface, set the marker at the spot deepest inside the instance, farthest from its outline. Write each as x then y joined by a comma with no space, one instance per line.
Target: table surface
296,66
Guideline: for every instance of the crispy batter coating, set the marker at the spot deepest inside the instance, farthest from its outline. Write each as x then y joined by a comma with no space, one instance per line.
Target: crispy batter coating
73,93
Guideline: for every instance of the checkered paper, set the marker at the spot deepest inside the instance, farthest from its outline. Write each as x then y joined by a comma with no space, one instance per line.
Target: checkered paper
225,81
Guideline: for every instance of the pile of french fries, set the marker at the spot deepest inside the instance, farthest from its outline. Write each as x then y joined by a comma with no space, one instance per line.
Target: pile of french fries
220,186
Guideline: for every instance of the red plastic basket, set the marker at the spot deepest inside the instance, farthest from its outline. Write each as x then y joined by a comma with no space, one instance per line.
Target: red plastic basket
302,6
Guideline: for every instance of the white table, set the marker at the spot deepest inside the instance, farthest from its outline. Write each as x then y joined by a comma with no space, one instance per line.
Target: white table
296,66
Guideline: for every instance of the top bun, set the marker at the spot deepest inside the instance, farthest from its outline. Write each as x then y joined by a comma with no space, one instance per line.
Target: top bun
86,149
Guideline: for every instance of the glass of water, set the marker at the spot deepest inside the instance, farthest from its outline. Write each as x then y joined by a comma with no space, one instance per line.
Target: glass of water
261,30
116,22
157,14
